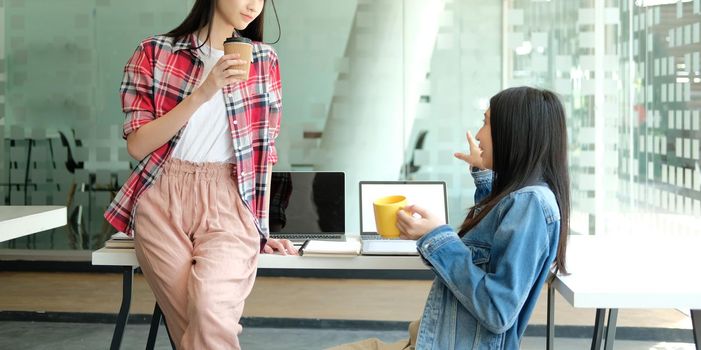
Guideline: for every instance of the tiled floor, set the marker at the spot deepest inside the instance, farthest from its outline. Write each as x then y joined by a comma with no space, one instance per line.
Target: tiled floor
276,297
73,336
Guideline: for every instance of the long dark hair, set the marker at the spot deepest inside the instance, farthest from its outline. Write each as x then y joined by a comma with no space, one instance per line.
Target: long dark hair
529,141
201,15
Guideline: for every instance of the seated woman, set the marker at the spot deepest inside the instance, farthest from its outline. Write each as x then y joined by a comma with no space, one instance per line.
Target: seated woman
489,274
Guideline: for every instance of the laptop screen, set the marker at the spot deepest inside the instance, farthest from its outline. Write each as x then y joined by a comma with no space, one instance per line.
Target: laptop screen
427,194
307,202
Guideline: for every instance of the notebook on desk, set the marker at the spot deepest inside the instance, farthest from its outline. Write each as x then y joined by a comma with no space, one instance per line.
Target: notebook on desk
307,205
346,248
428,194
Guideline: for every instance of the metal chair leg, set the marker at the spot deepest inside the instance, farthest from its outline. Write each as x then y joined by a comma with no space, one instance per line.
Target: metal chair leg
550,331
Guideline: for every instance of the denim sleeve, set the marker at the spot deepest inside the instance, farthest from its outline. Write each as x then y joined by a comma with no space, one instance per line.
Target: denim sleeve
483,182
519,252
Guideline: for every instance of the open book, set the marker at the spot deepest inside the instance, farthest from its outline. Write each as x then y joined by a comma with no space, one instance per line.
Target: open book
348,248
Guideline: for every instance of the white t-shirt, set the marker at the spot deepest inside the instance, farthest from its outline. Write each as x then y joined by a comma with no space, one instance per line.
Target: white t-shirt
207,136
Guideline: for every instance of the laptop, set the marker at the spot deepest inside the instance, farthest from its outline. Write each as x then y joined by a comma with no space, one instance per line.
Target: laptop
428,194
307,205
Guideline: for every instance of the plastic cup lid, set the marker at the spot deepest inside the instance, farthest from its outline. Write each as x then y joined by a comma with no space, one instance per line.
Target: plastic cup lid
237,39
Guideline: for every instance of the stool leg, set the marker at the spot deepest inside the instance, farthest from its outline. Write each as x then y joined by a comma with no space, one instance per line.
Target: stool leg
153,331
172,345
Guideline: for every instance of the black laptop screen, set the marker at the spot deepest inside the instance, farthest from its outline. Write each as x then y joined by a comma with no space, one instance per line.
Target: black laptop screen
307,202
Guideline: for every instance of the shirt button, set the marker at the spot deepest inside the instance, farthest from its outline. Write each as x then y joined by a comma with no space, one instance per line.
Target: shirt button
426,246
230,95
236,122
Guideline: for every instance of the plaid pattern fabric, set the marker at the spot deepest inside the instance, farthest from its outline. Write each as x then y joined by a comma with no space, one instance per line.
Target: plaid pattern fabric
160,74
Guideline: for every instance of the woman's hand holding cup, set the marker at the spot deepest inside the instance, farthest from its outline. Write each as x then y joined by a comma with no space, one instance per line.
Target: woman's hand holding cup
413,226
223,73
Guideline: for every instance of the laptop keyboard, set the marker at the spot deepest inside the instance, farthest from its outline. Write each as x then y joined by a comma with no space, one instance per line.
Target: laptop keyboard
306,236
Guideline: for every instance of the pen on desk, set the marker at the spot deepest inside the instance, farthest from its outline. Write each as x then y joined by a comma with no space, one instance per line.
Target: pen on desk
301,249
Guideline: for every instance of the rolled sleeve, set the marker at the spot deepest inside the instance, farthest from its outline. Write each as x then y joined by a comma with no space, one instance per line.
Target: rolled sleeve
272,155
136,92
483,183
134,120
275,113
481,176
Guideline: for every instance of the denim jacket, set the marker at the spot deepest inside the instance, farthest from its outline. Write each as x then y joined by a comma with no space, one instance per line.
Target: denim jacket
488,281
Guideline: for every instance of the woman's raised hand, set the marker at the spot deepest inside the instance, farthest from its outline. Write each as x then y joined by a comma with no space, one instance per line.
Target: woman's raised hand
474,158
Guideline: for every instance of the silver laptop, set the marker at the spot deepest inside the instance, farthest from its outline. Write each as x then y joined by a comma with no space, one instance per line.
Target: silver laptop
428,194
307,205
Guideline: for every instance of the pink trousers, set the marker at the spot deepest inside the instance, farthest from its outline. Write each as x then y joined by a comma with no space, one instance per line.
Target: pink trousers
198,247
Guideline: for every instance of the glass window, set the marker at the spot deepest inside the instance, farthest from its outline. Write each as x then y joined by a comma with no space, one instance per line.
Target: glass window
628,73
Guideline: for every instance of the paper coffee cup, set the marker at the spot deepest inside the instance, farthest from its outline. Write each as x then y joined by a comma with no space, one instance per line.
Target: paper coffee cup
244,48
386,209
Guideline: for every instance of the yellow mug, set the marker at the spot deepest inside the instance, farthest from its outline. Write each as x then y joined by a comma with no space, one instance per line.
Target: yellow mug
386,209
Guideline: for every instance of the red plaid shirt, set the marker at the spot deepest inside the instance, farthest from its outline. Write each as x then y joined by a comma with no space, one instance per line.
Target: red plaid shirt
158,76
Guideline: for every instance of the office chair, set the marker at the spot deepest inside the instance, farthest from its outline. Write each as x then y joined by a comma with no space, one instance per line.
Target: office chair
411,168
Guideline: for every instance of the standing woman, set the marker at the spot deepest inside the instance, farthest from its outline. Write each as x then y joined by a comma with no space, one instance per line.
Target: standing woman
197,202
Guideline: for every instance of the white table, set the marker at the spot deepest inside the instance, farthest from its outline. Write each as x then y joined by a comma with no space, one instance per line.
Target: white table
126,258
611,273
20,220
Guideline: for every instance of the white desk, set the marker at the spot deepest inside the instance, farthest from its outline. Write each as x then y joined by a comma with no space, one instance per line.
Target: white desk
611,273
19,220
127,259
